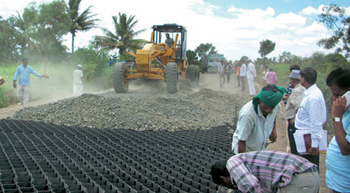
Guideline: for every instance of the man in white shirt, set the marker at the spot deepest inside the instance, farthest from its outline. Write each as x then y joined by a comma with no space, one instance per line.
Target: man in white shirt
243,74
312,112
251,74
78,81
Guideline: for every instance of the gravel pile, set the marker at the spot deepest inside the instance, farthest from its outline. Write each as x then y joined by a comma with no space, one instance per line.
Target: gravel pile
184,110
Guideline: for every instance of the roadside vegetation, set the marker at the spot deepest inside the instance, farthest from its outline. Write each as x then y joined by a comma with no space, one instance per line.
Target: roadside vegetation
37,35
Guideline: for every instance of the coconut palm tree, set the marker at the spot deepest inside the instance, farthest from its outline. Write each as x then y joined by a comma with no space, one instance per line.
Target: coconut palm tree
23,28
80,22
123,35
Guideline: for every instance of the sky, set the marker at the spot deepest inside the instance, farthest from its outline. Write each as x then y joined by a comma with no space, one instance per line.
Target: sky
234,27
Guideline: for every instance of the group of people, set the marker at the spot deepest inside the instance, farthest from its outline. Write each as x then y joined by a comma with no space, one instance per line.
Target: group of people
245,72
22,74
225,70
252,168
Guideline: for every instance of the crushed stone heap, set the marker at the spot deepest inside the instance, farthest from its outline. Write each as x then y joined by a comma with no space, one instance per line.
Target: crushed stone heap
140,111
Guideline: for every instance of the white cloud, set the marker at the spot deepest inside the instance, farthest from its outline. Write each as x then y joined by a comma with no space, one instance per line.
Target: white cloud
235,35
309,11
315,29
347,11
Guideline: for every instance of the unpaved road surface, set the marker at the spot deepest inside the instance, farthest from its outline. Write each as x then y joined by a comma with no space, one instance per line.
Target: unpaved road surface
208,81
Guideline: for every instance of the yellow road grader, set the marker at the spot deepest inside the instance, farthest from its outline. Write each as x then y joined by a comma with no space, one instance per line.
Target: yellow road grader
158,60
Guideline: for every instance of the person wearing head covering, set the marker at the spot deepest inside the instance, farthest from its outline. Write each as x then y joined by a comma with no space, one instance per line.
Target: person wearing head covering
251,74
256,121
293,104
78,81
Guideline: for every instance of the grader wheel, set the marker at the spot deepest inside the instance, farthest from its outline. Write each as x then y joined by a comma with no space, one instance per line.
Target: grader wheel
172,77
120,81
193,75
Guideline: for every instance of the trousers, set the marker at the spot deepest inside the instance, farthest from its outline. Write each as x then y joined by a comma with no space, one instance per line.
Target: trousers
307,182
243,80
23,94
77,89
315,159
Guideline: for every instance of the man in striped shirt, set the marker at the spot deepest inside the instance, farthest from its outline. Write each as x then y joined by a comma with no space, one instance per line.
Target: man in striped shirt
267,171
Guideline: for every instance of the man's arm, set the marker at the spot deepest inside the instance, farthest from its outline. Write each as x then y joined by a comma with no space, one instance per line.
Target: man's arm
273,136
244,129
38,75
2,81
338,110
316,115
241,146
15,78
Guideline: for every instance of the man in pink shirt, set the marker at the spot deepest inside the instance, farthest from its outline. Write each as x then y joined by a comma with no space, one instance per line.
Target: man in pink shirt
271,77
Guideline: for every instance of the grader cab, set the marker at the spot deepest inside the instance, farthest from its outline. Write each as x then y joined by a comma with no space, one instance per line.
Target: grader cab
163,58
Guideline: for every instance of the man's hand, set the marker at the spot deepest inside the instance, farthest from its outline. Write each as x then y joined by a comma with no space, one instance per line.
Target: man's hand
339,108
273,136
314,151
45,76
292,121
14,84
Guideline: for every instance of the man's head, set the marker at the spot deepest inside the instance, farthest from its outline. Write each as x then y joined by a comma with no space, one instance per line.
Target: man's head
268,98
79,66
25,61
167,35
294,77
271,69
221,176
308,77
338,82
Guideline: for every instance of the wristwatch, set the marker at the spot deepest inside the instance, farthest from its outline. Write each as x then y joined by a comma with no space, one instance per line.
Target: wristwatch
336,119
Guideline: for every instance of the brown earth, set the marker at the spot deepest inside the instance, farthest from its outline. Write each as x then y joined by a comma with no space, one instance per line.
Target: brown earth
211,81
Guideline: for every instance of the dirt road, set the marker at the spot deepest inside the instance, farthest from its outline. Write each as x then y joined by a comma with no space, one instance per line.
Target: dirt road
211,81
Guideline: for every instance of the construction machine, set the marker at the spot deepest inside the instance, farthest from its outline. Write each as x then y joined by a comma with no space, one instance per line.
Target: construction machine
159,59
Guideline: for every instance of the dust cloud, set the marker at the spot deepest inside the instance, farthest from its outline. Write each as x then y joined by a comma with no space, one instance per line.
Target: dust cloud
211,81
59,85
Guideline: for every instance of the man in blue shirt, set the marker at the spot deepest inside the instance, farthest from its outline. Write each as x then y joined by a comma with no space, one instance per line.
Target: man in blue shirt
23,72
338,151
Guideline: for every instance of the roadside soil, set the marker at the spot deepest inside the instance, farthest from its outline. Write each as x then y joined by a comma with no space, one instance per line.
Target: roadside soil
209,81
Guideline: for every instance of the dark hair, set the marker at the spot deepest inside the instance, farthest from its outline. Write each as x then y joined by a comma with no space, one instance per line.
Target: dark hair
270,87
339,77
310,75
271,69
219,169
24,59
294,67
